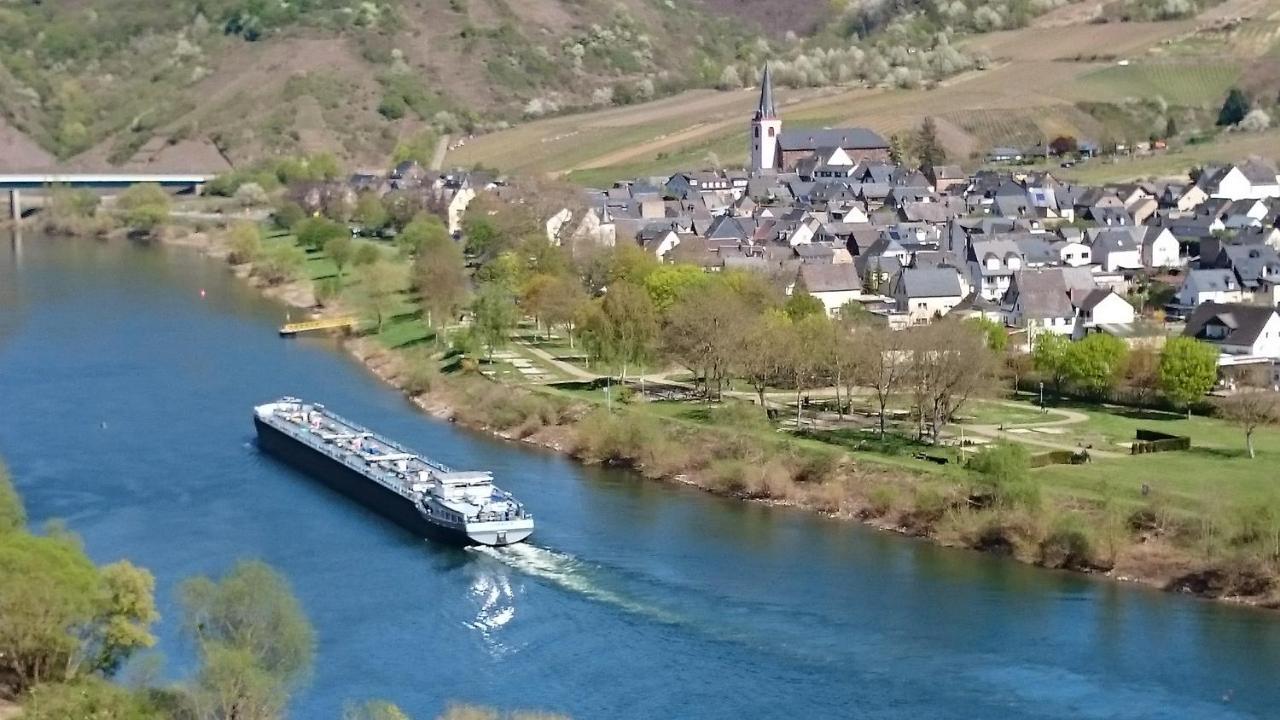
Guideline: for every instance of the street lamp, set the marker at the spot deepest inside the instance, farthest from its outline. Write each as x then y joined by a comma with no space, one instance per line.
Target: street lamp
1041,396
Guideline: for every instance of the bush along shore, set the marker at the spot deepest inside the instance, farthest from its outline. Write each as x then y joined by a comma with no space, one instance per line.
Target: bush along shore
993,503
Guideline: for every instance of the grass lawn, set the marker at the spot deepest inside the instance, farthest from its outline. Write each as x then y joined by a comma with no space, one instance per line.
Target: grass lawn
996,413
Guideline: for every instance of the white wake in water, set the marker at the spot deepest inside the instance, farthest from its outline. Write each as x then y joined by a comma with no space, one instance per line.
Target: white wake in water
568,573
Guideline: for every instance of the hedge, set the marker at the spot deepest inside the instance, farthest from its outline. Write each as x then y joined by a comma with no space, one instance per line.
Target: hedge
1152,441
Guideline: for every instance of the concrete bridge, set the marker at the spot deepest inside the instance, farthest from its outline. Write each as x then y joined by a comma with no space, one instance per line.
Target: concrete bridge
15,183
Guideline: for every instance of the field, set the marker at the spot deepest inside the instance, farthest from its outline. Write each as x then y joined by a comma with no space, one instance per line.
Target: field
1041,82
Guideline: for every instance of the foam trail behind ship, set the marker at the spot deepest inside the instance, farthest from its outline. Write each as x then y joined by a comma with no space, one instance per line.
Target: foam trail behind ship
568,573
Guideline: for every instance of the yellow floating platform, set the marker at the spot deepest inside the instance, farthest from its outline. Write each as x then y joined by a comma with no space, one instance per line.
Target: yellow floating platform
332,323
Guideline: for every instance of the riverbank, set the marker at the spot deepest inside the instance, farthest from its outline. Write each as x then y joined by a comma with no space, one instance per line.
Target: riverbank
769,468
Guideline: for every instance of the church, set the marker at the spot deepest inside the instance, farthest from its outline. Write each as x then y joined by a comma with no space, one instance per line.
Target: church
776,150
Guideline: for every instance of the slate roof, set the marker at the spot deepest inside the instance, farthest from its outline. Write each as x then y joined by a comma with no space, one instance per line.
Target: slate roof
812,139
829,278
1213,280
1244,323
1042,293
928,283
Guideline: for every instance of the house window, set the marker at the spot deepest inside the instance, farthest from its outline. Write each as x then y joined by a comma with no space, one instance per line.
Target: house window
770,132
757,131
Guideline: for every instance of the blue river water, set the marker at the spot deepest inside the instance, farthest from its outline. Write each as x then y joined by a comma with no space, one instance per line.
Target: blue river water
125,397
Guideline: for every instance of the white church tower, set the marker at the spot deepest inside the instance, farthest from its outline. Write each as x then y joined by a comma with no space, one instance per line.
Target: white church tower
765,128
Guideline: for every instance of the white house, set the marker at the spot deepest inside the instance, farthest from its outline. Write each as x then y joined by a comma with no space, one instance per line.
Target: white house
1255,178
1073,253
833,284
992,264
1118,248
1160,249
928,293
1216,285
1100,309
1236,329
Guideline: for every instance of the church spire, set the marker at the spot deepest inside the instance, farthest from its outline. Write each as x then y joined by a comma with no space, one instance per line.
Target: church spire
766,110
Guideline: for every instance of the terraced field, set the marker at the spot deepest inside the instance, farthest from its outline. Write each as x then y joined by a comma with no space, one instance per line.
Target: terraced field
1183,84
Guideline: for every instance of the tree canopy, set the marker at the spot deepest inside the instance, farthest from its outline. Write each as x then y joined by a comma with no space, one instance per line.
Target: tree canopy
1188,369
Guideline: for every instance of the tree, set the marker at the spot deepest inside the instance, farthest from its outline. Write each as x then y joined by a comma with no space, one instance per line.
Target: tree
1234,108
424,230
377,289
993,332
703,331
666,283
1050,357
494,316
366,254
1096,363
61,618
883,365
801,305
1003,471
1254,404
280,262
1188,370
897,149
1064,145
314,232
624,329
340,250
440,274
13,517
245,242
144,206
374,710
950,363
929,147
255,643
762,355
369,212
1170,128
90,699
288,215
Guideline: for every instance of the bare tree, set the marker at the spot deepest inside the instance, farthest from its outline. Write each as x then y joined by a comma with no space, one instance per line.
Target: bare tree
950,363
704,331
883,364
1251,406
762,355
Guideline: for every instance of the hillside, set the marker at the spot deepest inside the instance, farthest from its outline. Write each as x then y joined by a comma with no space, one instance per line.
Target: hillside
186,83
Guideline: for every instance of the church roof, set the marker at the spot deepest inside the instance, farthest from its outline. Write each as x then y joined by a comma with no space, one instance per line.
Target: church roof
813,138
766,109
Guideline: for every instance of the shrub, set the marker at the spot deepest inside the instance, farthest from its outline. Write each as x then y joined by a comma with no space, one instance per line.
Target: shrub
245,243
1003,472
420,374
815,466
728,476
882,500
1069,544
280,262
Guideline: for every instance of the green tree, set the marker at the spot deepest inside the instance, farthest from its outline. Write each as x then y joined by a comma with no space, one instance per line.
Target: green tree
494,316
666,283
255,643
144,207
897,149
377,289
762,356
288,214
440,273
61,618
1004,474
314,232
245,241
369,212
1096,363
624,330
374,710
1188,369
13,517
422,231
89,699
704,328
1050,357
994,332
1170,128
928,146
280,262
366,254
1234,108
801,305
340,250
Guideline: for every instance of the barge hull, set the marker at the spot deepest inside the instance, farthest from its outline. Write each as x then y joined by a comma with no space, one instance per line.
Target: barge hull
351,483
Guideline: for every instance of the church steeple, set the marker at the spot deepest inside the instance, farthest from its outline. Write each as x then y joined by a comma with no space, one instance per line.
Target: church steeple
765,129
765,110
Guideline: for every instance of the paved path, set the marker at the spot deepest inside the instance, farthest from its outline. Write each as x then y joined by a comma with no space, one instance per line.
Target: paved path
1072,417
567,368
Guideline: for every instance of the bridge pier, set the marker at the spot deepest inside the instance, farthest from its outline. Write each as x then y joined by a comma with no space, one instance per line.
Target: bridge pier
15,204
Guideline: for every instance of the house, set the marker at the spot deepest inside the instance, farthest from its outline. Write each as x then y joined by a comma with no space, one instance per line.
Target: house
991,265
1004,154
1160,249
943,178
1255,178
1117,249
1101,310
1237,329
927,293
833,284
1217,285
1040,300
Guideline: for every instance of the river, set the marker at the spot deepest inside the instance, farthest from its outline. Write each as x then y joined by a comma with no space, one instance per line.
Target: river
126,380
